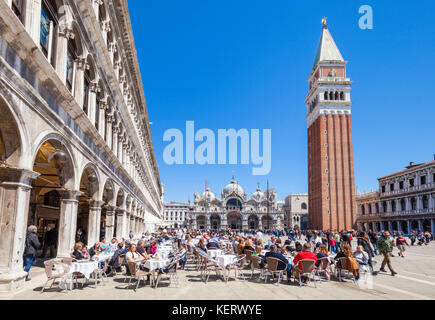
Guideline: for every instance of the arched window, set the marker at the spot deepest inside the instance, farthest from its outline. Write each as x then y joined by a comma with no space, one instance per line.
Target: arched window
384,206
393,205
70,60
363,210
342,96
402,205
336,95
304,206
49,21
325,96
86,88
425,202
331,95
377,207
413,203
18,8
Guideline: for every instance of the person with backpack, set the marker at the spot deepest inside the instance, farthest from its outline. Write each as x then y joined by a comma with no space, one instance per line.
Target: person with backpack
32,245
385,246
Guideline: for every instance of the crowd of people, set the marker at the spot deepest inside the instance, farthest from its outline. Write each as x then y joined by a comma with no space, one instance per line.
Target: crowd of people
306,244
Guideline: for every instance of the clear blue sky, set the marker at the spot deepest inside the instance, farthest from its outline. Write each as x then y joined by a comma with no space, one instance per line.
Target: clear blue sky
245,63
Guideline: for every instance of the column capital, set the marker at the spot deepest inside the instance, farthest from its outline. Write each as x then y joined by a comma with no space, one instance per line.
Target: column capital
103,104
95,204
18,177
69,195
105,26
94,87
66,31
120,212
110,210
82,63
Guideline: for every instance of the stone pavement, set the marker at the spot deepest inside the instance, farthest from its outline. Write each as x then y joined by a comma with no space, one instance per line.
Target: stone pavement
415,280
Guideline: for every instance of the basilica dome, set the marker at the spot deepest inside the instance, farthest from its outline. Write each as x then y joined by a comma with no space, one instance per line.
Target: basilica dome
210,195
233,187
257,195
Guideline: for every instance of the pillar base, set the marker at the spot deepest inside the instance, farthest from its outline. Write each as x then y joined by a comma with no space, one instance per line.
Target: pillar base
12,282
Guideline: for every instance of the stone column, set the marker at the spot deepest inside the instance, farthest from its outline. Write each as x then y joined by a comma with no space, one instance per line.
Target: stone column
112,49
399,226
68,221
33,19
120,223
432,226
96,6
120,146
94,221
420,224
102,118
409,226
93,90
65,33
133,225
115,141
109,120
110,222
390,226
79,96
105,28
15,186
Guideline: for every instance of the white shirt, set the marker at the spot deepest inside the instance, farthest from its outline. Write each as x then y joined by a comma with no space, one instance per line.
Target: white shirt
132,256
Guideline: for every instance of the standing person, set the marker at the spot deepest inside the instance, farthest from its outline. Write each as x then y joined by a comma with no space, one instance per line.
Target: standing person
130,235
331,245
374,241
31,246
80,236
400,243
50,242
385,246
364,242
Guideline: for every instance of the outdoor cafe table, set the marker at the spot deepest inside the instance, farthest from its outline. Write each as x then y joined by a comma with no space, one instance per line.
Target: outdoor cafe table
153,264
224,260
86,268
102,257
215,253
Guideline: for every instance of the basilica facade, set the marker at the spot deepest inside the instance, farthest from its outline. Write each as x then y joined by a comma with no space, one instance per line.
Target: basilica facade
75,143
235,210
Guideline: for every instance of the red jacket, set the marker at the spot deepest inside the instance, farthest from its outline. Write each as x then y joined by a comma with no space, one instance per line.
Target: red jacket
304,255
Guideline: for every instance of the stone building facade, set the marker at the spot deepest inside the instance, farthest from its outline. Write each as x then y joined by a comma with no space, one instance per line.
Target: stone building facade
175,215
296,211
235,210
75,144
331,181
404,202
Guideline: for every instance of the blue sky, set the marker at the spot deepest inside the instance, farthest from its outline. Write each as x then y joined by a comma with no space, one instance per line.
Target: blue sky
244,64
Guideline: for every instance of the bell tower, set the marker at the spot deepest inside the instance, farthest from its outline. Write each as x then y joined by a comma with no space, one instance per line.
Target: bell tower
331,181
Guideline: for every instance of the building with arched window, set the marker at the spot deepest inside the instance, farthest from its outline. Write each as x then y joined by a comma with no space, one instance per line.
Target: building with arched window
405,201
75,143
235,210
296,211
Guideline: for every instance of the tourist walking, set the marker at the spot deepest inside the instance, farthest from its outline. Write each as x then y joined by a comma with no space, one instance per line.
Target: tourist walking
385,247
400,243
50,242
31,246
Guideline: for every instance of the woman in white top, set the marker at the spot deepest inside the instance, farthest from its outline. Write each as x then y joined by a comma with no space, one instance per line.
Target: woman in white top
133,256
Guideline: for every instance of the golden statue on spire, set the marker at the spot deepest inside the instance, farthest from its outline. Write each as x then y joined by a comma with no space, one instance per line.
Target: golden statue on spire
324,22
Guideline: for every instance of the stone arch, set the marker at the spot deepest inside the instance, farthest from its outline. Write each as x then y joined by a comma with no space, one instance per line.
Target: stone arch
200,221
121,199
91,177
12,148
109,192
253,222
64,162
215,221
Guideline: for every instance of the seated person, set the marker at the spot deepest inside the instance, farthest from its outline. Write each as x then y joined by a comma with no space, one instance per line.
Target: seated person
113,244
140,248
240,247
283,263
104,245
248,246
77,253
298,247
114,261
213,244
305,254
201,245
153,248
361,256
287,246
322,252
95,249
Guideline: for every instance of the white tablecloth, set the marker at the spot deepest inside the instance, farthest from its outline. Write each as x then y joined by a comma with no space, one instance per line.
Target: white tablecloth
153,264
85,268
102,257
214,253
225,259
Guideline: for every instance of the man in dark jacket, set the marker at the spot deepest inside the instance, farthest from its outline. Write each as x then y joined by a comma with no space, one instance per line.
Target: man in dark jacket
50,242
283,263
31,246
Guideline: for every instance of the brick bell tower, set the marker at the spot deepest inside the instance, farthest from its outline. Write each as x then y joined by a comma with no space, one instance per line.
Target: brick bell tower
331,181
